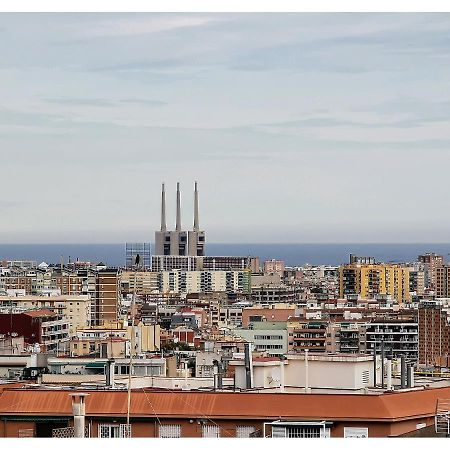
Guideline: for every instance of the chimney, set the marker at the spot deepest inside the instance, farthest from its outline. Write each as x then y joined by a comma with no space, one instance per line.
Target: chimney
163,209
402,372
282,374
389,374
79,413
178,225
196,222
110,372
248,366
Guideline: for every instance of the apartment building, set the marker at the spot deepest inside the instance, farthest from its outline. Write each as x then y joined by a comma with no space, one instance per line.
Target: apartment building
434,332
107,296
371,280
43,327
204,281
308,334
442,281
76,309
143,283
268,294
267,337
432,262
400,337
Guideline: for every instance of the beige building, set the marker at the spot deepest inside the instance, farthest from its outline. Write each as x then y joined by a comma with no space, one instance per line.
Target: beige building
76,309
144,282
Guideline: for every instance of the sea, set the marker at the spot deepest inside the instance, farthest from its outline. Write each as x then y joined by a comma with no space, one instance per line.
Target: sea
292,254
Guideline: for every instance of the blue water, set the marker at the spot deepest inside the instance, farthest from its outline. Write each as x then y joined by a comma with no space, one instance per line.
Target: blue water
292,254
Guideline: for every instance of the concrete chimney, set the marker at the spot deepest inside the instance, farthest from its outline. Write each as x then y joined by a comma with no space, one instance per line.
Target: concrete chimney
79,413
178,224
110,366
248,366
411,376
282,375
196,219
403,370
307,388
163,209
389,375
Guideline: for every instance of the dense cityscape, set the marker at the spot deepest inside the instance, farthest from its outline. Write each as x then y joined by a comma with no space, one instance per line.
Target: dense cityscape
179,344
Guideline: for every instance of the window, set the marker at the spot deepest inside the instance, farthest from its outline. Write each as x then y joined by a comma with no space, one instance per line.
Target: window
302,430
244,431
210,431
350,432
170,431
114,431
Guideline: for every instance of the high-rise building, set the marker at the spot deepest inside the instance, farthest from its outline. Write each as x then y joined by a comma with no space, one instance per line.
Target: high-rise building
371,280
434,332
179,242
432,262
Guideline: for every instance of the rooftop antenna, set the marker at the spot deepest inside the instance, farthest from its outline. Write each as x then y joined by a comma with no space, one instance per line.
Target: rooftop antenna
178,226
196,222
163,209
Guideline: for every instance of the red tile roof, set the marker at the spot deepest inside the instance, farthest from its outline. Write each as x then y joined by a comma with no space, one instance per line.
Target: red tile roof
385,407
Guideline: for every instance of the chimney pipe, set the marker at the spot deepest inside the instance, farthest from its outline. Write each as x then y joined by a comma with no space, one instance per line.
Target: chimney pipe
389,374
163,209
178,225
411,375
196,222
402,372
408,375
282,374
248,366
79,413
307,390
110,372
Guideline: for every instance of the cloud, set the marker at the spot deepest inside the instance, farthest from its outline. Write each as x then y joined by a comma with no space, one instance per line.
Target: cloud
103,102
141,25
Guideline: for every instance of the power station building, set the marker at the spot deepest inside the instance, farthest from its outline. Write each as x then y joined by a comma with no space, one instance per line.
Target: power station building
179,242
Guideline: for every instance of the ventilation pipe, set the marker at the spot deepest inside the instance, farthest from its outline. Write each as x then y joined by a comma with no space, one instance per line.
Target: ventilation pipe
307,390
382,363
282,374
79,413
389,374
411,375
248,366
110,366
402,372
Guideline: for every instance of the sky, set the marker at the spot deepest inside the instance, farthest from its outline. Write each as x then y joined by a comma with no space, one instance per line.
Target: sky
298,127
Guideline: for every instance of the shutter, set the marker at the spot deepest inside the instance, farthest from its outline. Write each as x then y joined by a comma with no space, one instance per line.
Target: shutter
278,432
210,431
244,431
170,431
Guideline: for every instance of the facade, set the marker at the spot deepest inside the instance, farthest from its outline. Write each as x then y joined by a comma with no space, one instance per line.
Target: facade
268,339
441,280
400,337
42,327
204,281
371,280
432,262
75,308
108,296
274,266
434,332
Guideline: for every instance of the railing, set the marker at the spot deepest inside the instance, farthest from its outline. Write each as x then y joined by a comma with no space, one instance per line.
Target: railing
442,417
68,432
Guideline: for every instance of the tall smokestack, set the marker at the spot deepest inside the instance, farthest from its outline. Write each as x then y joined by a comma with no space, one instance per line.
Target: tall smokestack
178,226
163,209
196,224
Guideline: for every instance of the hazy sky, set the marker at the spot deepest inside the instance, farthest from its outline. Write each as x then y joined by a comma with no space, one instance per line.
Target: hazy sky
298,127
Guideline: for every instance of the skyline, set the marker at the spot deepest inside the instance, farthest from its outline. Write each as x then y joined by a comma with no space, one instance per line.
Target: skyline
290,123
